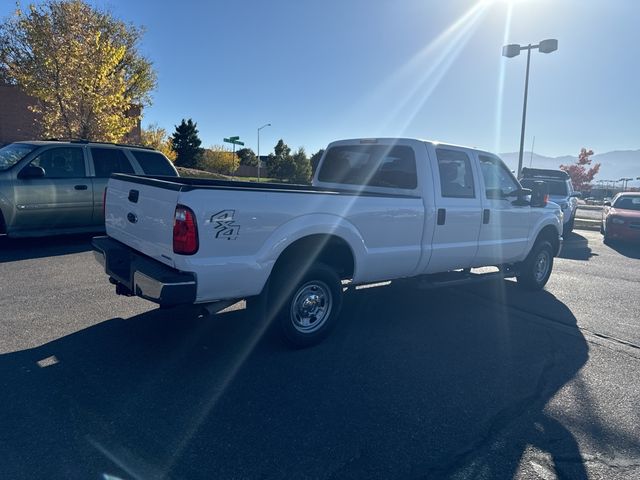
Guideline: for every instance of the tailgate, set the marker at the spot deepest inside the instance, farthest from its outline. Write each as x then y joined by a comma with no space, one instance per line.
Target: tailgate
140,215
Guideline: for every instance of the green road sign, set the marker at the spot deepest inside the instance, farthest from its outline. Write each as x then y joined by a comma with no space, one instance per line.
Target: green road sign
233,140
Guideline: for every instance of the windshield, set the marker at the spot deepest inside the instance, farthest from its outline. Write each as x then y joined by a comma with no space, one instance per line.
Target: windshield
628,203
13,153
556,187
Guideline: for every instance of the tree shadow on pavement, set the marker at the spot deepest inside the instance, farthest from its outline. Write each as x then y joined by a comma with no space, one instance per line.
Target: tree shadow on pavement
13,249
411,384
576,247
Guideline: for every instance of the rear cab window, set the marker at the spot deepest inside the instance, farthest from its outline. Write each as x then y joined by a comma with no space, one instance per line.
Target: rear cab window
386,166
456,174
110,160
153,163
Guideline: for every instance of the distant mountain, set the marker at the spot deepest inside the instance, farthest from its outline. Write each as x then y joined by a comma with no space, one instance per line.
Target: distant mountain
614,165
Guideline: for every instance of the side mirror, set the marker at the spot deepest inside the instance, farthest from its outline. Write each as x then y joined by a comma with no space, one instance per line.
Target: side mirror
539,194
576,194
607,204
32,171
521,196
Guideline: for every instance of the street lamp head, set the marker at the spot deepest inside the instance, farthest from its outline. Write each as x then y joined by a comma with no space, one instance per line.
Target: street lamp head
548,46
510,51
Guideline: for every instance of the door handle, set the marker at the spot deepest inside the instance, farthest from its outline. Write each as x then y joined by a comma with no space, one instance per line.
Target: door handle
442,216
486,215
80,187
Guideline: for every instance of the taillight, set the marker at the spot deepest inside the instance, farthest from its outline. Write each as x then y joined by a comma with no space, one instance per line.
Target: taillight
104,202
185,231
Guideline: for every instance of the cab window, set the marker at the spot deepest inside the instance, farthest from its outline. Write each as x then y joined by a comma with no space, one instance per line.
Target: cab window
153,163
497,176
110,160
456,177
61,162
372,165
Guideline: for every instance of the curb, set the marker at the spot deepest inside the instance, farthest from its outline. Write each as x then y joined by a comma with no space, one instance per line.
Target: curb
587,224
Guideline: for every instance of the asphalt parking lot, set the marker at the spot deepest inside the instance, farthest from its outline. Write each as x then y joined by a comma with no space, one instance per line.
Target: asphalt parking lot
484,381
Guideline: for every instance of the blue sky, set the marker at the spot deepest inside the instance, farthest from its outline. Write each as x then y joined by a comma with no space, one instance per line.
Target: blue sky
328,69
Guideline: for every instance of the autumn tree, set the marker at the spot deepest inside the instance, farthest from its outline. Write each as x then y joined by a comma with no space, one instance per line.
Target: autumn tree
580,176
186,144
81,65
155,137
219,159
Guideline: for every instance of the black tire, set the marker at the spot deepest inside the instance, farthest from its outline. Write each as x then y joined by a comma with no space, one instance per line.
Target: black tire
569,225
305,306
534,272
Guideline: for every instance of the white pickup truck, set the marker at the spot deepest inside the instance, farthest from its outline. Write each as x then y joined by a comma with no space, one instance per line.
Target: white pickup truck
378,209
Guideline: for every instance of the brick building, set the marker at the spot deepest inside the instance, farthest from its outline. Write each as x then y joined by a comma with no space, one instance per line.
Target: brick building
17,122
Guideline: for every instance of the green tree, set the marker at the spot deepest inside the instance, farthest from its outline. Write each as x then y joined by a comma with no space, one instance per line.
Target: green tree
315,160
81,65
186,144
280,163
219,159
247,157
302,171
156,137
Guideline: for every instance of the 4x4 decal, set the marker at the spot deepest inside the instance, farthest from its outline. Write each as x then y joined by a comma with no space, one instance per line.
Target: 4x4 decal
224,226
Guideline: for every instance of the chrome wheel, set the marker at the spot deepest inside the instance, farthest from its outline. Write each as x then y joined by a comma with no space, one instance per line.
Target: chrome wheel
311,306
541,266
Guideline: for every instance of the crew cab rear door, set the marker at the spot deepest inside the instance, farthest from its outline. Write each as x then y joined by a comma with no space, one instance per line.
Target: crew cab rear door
458,209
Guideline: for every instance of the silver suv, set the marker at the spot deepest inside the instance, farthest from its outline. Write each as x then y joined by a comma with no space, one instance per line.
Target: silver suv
560,191
54,187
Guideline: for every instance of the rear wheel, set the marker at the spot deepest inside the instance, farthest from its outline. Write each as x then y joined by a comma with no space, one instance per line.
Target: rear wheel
536,269
305,307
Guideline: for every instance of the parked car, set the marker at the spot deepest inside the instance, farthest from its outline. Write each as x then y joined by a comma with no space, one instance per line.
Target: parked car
378,210
54,187
621,218
560,191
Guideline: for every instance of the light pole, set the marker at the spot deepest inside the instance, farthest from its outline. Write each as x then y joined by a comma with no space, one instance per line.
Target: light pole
513,50
263,126
624,181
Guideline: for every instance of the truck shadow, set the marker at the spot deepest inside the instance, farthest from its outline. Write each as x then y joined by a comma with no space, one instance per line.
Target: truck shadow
628,249
411,384
13,249
576,247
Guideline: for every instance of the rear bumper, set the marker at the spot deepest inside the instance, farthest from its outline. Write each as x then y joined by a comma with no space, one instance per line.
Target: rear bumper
144,276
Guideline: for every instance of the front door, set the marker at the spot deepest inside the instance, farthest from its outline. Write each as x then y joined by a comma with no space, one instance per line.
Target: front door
504,234
63,198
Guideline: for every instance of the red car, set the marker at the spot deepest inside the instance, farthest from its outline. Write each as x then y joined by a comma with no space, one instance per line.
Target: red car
621,218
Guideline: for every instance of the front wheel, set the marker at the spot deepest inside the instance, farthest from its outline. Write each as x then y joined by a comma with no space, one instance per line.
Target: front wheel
536,269
568,227
306,306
